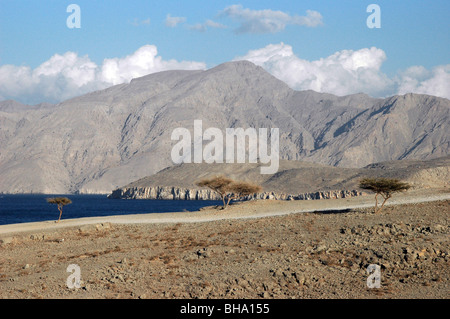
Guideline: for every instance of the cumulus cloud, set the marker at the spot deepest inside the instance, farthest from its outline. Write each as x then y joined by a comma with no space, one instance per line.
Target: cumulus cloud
68,75
344,72
419,80
142,62
174,21
59,78
347,72
268,21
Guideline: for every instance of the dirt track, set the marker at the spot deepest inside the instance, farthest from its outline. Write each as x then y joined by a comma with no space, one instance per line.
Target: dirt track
322,254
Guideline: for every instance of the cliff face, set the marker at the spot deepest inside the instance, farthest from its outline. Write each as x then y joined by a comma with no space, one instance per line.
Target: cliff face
295,180
170,193
176,193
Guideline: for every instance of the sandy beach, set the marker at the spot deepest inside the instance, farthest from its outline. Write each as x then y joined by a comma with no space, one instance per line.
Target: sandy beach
258,249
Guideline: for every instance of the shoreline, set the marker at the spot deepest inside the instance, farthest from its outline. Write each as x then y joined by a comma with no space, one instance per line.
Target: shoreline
240,210
301,256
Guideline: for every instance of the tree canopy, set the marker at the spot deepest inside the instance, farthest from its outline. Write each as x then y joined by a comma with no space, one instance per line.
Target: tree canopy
229,189
385,187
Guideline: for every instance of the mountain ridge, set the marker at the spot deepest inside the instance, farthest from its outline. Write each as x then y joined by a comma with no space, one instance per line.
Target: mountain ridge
295,179
104,139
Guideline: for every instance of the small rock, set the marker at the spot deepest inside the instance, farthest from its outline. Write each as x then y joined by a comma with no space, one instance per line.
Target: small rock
86,228
103,226
321,248
421,253
300,279
264,294
36,237
203,253
6,240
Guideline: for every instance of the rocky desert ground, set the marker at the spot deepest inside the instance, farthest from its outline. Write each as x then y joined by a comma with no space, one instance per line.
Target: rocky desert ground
317,253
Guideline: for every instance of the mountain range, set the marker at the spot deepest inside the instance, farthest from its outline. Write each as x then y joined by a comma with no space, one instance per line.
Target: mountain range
97,142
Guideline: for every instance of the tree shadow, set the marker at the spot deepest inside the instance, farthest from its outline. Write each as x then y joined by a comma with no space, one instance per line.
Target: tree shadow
334,211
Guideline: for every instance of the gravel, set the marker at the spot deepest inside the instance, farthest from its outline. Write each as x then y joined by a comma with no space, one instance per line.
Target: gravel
317,254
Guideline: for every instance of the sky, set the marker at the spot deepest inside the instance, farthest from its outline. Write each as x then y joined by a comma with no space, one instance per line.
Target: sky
51,50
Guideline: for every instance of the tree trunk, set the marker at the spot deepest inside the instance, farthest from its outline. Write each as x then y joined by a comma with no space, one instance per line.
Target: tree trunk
230,197
60,208
229,200
376,203
223,200
385,199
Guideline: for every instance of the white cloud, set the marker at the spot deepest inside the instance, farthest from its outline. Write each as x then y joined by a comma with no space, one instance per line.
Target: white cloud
312,19
268,21
347,72
202,27
142,62
136,22
174,21
417,79
59,78
344,72
69,75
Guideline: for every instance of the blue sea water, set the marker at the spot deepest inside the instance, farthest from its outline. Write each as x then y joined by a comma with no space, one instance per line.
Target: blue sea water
33,208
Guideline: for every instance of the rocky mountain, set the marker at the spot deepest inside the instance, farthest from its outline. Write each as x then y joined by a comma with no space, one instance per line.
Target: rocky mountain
105,139
294,179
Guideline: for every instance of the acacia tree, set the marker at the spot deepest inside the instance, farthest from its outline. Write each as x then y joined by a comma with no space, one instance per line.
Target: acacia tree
219,184
61,202
229,189
385,187
241,189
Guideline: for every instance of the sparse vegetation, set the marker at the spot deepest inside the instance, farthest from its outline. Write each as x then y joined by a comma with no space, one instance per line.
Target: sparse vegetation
241,189
229,189
61,202
219,184
385,187
158,260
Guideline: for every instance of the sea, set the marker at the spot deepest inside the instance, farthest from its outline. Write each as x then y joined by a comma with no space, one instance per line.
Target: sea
15,209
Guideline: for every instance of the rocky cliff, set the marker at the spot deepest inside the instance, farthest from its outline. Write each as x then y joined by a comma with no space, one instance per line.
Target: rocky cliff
295,180
176,193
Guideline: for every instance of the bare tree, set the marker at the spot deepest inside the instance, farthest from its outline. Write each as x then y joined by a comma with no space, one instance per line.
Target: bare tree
385,187
61,202
229,189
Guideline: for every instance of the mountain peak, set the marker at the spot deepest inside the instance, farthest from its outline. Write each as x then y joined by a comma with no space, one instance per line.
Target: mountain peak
239,64
99,141
241,67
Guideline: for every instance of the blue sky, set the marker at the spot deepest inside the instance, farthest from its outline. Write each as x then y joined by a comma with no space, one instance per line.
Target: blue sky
327,42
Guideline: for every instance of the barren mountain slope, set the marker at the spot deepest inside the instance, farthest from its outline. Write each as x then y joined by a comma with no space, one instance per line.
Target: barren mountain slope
105,139
295,177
